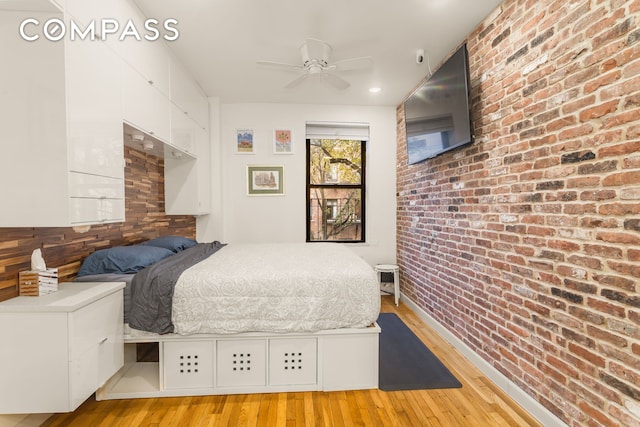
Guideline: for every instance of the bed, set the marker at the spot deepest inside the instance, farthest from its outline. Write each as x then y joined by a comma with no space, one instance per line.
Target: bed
242,311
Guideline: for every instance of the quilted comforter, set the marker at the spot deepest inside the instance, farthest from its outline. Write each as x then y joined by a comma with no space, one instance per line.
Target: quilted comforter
300,287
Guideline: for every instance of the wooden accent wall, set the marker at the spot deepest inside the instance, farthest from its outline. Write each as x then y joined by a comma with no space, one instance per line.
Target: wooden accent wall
64,248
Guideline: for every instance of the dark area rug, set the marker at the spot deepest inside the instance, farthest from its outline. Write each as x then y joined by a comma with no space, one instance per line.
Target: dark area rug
405,362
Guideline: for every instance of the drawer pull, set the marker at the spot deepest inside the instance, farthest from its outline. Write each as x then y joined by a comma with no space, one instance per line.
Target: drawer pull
103,340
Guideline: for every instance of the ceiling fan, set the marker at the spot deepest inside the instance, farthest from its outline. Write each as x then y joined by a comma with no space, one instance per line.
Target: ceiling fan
315,63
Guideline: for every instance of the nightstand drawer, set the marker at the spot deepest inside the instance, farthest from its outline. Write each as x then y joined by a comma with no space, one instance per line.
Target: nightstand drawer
92,325
96,349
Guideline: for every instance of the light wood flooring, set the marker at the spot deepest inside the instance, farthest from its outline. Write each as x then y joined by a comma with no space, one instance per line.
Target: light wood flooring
478,403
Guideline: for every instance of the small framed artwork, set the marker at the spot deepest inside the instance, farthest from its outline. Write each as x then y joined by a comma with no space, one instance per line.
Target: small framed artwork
282,141
265,180
244,141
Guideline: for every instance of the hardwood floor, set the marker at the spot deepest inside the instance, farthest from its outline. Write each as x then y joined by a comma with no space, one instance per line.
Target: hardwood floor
477,403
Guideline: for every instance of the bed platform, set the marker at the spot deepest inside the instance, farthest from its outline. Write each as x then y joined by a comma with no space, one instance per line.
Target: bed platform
246,318
251,362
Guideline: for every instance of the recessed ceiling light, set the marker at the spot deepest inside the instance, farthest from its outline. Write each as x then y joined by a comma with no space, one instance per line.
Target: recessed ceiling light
374,89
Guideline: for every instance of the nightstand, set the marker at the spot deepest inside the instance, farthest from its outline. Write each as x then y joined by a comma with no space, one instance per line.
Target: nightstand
58,349
390,268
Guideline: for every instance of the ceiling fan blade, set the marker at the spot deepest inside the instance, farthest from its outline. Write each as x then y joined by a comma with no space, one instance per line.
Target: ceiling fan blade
297,81
280,65
354,64
335,81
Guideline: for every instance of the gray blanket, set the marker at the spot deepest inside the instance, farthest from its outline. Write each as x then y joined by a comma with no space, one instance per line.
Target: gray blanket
152,288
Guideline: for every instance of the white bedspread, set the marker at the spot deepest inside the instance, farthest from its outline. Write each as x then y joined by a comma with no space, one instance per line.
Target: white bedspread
276,287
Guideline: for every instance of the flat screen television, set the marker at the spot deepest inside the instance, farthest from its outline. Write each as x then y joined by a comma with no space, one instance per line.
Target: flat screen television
437,115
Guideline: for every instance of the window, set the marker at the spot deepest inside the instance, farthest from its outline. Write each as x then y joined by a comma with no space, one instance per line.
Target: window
335,190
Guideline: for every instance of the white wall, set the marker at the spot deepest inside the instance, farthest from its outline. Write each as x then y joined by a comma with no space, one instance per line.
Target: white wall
256,219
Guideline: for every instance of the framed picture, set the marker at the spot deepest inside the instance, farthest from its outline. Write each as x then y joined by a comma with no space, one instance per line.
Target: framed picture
244,141
282,141
265,180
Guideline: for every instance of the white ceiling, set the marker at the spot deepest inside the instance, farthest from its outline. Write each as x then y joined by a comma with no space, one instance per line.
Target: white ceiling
220,42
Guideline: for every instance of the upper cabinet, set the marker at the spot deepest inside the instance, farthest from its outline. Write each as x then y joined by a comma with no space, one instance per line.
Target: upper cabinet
94,127
144,106
187,95
62,108
61,116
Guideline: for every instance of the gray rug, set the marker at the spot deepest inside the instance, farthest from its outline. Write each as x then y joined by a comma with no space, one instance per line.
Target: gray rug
405,362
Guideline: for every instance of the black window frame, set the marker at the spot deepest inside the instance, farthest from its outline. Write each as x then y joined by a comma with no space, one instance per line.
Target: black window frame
361,187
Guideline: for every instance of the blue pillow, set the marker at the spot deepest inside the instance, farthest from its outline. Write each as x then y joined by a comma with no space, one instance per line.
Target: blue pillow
122,259
173,243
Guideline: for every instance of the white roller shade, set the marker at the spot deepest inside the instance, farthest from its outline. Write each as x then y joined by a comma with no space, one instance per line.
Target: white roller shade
336,130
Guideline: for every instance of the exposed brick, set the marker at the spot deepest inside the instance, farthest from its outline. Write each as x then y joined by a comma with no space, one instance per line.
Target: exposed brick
582,287
534,232
620,209
518,54
598,195
549,185
593,168
598,111
587,355
622,178
627,389
572,335
503,35
586,315
606,307
577,157
601,81
619,282
569,296
633,301
542,37
632,224
603,251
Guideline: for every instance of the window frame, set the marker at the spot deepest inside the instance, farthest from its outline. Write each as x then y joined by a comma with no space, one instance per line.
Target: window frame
361,187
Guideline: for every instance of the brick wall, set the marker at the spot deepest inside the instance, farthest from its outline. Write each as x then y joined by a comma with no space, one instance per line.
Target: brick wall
65,249
526,244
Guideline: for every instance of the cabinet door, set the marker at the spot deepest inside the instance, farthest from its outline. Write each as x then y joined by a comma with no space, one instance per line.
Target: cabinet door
183,130
95,186
94,109
186,94
94,211
144,106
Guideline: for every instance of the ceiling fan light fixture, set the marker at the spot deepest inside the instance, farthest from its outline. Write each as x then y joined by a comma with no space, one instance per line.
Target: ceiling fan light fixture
314,55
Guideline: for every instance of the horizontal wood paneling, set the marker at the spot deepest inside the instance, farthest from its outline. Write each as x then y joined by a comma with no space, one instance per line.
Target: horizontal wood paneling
65,248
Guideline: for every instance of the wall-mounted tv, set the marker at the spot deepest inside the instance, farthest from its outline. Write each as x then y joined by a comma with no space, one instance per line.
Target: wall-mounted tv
437,115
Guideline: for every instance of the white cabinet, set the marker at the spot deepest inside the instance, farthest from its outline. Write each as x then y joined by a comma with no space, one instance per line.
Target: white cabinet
144,106
187,182
183,131
94,109
59,113
187,96
58,349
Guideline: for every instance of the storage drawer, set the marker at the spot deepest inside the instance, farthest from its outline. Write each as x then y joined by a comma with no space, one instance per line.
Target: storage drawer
241,363
188,364
96,345
93,186
293,361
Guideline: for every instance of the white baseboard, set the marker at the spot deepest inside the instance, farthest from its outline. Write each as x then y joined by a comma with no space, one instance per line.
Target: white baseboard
532,406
